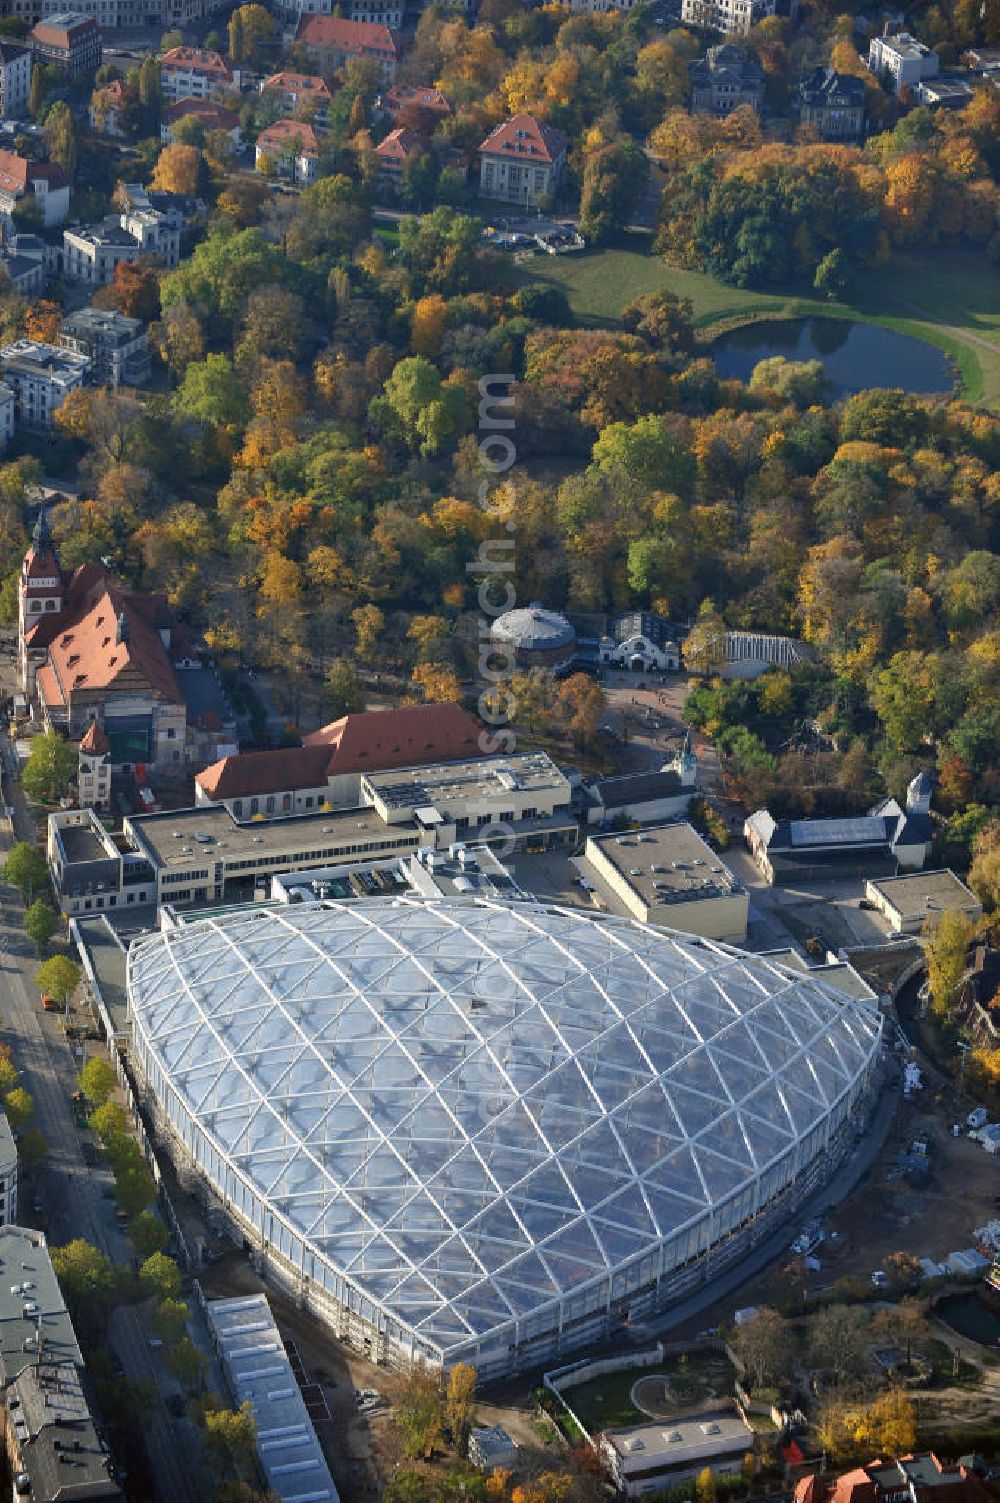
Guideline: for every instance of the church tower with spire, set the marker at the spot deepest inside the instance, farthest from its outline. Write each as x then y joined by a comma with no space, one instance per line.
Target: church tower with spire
40,593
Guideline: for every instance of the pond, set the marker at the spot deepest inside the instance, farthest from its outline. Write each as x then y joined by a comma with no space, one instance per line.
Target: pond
855,356
972,1316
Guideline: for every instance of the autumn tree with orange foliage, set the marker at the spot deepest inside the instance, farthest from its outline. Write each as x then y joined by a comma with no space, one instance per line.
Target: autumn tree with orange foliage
177,170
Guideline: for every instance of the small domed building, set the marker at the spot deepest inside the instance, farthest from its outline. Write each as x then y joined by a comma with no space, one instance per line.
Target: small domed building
538,638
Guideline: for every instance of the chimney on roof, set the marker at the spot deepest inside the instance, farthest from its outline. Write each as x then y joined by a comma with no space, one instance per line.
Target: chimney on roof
122,634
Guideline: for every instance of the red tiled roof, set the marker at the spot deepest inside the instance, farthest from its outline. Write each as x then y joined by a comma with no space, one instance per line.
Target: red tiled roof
86,654
399,145
48,686
524,136
196,60
309,84
400,95
374,740
212,114
356,38
13,172
94,740
286,133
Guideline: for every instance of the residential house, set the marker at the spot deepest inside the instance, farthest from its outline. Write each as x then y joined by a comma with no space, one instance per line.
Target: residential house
109,15
304,95
193,73
15,79
23,258
919,1478
522,161
116,346
901,62
91,253
213,117
54,1449
400,146
177,211
377,12
834,103
41,377
8,407
734,17
89,651
326,771
725,78
600,7
413,98
105,106
292,11
291,148
331,41
42,185
68,40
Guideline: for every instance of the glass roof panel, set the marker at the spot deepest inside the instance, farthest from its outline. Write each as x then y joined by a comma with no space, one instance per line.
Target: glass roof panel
444,1098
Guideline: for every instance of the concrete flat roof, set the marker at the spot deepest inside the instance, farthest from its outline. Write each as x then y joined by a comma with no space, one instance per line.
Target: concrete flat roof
31,1304
413,787
171,839
668,864
681,1442
917,893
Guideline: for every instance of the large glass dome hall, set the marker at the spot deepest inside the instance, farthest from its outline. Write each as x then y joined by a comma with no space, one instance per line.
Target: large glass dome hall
488,1132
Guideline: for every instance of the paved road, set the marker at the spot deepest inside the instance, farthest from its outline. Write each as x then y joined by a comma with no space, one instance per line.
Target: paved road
69,1191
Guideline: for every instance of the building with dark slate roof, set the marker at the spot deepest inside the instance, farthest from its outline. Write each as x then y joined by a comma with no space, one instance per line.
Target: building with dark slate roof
725,78
834,103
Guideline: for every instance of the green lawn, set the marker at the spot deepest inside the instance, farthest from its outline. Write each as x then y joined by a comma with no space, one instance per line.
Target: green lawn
950,290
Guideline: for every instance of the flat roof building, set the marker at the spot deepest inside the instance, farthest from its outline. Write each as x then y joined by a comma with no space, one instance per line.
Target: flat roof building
907,901
258,1371
47,1415
658,1455
668,876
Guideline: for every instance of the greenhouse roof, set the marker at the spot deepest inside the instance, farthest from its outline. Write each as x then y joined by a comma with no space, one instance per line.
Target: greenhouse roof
471,1109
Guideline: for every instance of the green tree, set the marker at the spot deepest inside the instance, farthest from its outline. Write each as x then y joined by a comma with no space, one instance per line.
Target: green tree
160,1277
97,1080
26,869
9,1076
60,137
110,1122
19,1105
32,1147
150,92
344,692
705,645
40,924
210,393
832,279
59,978
421,1414
36,93
252,29
86,1275
947,937
170,1317
50,767
229,1438
188,1364
134,1188
705,1486
147,1234
614,180
460,1405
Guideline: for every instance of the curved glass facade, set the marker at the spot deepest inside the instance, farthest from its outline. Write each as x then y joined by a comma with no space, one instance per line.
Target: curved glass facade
471,1126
